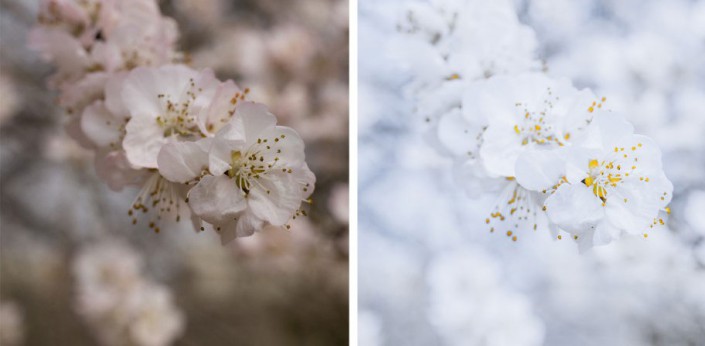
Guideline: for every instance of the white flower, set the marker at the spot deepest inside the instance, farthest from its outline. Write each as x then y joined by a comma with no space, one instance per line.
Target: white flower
164,105
614,184
103,273
154,320
250,173
119,304
103,123
529,111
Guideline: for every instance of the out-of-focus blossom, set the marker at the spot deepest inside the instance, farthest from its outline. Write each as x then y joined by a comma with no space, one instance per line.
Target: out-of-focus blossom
446,41
291,48
694,211
282,249
83,37
11,324
469,305
154,320
338,203
369,329
105,273
118,302
204,12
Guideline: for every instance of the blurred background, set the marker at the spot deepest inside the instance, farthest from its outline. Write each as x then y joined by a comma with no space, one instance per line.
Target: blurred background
430,273
66,241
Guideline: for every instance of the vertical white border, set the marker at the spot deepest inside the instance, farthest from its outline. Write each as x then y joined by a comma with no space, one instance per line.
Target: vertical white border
352,235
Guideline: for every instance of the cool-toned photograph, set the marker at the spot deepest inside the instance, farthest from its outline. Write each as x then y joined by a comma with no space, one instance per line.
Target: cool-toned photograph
531,172
174,172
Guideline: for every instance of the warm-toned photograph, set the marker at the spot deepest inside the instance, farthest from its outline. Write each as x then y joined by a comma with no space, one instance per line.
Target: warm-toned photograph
174,172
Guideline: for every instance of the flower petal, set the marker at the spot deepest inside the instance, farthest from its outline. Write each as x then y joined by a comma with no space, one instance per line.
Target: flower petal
143,140
277,198
143,86
180,162
216,200
574,208
539,170
100,126
250,120
115,170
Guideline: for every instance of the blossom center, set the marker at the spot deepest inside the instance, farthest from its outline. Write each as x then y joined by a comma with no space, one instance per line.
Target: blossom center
602,176
534,127
177,118
249,167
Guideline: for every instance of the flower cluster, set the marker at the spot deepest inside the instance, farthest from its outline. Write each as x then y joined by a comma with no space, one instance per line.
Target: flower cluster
195,144
558,157
121,305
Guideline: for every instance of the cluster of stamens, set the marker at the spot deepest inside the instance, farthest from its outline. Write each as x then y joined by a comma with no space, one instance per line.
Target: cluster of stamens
517,209
258,161
161,196
178,118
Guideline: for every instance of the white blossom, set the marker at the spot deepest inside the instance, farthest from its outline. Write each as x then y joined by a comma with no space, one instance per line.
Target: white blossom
614,184
250,173
118,302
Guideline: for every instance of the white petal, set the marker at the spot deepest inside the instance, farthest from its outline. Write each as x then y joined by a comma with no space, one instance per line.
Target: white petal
538,170
143,140
578,161
283,143
605,233
245,226
277,199
216,199
114,169
143,86
632,207
250,120
180,162
74,130
574,208
501,147
219,154
605,130
217,113
113,95
100,126
60,48
79,94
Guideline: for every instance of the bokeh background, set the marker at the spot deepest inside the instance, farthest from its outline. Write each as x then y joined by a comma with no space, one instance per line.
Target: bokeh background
276,288
430,273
